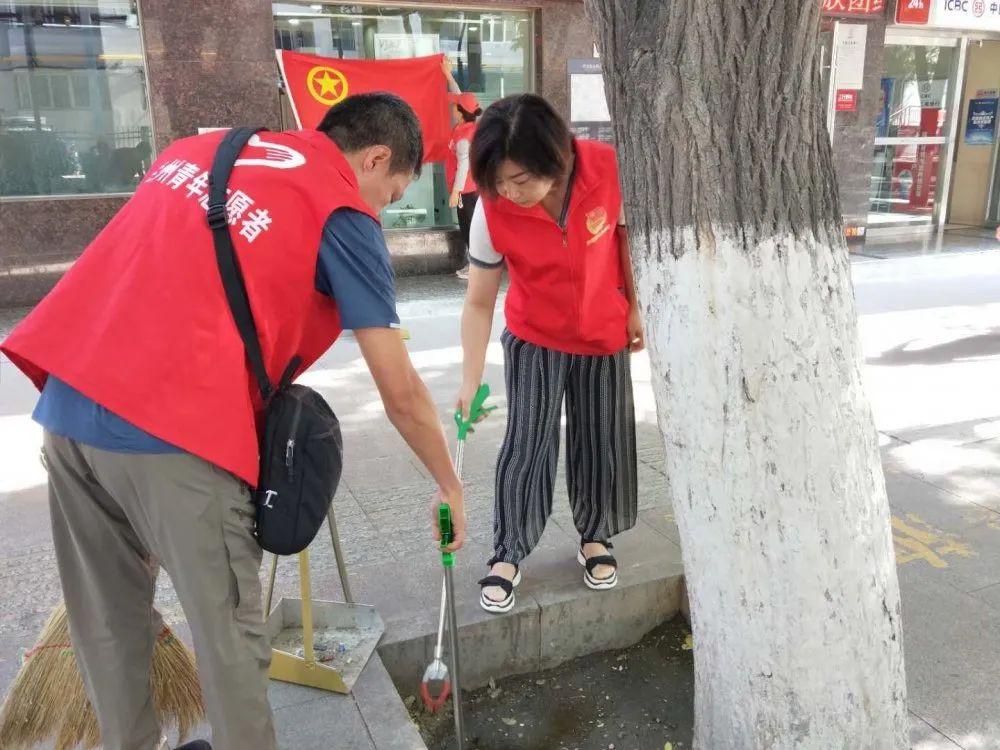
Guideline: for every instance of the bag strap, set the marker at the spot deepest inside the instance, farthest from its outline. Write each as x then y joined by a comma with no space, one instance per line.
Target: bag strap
225,254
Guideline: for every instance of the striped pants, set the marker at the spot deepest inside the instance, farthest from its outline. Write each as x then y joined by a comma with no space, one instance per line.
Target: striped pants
600,446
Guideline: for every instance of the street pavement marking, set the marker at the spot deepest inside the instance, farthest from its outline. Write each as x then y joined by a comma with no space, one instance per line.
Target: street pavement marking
915,539
983,517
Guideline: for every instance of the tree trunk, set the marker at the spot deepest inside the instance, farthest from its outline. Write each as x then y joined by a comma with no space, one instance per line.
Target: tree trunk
771,452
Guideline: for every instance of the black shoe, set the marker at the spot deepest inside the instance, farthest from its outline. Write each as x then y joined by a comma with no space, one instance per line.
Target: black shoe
507,604
195,745
598,584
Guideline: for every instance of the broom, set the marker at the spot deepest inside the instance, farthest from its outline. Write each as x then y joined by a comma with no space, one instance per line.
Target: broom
47,700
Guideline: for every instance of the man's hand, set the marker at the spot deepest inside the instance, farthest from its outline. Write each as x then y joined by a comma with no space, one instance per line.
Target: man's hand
457,503
636,339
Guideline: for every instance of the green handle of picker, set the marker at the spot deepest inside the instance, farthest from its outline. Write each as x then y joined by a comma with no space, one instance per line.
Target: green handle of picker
477,410
447,534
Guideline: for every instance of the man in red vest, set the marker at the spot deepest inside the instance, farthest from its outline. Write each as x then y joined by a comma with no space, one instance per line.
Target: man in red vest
150,412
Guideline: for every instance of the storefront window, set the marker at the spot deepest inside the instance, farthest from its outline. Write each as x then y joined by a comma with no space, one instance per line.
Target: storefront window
74,117
490,51
911,133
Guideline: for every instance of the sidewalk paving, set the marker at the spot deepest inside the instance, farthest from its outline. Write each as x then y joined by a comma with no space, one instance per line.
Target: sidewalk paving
929,327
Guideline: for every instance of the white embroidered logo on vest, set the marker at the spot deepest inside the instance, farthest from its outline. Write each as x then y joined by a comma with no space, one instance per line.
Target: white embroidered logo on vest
277,155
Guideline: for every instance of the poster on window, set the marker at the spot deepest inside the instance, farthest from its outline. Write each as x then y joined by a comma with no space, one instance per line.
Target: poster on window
588,106
400,46
981,125
849,55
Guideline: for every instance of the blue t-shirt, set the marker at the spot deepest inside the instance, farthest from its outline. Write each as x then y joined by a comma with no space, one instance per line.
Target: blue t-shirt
353,268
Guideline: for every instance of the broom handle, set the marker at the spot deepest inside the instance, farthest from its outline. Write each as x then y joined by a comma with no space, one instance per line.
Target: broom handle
270,587
307,619
331,522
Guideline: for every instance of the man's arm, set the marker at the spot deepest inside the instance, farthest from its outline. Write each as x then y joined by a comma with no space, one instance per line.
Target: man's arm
411,410
353,268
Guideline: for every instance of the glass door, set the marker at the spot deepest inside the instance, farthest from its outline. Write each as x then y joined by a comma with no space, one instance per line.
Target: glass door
913,137
827,31
993,213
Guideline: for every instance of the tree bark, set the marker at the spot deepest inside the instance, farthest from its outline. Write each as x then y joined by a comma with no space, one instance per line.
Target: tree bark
771,452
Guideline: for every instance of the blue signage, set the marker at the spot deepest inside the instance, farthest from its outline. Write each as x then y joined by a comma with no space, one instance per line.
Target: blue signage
980,129
882,120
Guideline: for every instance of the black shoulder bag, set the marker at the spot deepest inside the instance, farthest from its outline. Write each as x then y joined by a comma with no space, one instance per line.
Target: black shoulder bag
301,450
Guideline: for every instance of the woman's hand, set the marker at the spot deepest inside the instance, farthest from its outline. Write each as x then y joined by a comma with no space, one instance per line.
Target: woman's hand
636,339
455,200
466,396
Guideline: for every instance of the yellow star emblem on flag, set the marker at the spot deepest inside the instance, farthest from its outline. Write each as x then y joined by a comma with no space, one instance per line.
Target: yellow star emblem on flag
327,85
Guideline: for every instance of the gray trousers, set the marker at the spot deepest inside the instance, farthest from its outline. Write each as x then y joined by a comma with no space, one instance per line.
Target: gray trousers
116,518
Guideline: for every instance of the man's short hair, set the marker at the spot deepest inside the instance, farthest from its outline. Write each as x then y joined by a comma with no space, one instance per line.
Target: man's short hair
379,119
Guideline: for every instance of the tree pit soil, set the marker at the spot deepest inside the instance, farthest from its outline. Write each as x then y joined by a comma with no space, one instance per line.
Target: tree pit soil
638,698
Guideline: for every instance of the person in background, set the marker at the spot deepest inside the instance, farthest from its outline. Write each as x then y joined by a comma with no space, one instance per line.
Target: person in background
463,195
551,212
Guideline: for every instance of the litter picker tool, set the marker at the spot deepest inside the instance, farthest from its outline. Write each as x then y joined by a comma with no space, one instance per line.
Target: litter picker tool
436,685
439,681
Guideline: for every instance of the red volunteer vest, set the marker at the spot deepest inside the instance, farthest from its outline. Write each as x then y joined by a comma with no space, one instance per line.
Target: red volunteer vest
140,322
463,132
566,287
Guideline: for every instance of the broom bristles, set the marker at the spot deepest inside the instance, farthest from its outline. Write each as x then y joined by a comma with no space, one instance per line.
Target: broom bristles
47,700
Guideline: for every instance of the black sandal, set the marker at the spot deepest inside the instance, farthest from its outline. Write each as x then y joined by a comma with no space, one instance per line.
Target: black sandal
598,584
508,586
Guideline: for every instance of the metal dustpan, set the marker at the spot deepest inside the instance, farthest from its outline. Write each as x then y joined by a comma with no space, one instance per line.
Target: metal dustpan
332,656
321,644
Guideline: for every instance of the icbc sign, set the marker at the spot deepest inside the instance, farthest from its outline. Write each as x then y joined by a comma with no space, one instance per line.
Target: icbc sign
976,7
913,11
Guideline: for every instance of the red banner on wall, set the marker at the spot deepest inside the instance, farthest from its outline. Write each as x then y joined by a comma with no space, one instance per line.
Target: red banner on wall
855,8
847,100
315,84
913,11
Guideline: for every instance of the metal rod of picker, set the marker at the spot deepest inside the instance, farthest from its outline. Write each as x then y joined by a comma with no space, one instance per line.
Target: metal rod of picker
456,690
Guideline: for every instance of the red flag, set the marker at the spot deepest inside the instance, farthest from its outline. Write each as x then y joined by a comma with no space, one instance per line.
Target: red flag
315,84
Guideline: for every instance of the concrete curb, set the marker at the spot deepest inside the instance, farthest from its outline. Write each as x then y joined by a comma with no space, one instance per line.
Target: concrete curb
371,717
382,710
549,625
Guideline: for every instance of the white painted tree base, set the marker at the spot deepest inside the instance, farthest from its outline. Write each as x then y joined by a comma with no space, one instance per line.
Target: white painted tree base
777,486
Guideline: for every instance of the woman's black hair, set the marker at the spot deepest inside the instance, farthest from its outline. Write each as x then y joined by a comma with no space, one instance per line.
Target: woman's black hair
469,116
525,129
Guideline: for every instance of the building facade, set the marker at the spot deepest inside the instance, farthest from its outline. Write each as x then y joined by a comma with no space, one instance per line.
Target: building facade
912,91
91,90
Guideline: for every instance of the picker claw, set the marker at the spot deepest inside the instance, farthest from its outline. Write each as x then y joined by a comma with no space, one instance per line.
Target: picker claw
434,703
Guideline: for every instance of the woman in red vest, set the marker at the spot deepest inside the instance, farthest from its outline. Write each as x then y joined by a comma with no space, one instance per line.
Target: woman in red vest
551,212
463,197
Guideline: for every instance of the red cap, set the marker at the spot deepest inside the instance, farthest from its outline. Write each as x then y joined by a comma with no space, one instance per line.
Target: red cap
466,101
